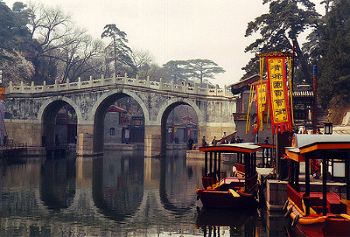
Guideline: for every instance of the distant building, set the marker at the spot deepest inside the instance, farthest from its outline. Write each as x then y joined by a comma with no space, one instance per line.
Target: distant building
181,132
119,129
303,105
66,125
115,123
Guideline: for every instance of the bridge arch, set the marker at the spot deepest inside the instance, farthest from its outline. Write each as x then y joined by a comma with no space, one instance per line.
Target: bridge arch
47,116
99,110
113,93
172,103
164,114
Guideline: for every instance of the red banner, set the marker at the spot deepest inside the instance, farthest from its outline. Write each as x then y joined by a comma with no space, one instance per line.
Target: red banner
278,94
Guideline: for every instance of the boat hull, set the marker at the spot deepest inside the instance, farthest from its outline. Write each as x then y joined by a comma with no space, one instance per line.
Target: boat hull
318,225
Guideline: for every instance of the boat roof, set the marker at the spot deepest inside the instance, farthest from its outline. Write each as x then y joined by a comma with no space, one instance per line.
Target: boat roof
307,143
301,140
232,148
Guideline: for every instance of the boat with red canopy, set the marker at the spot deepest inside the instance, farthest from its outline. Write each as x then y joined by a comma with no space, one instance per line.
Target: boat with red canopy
221,191
319,212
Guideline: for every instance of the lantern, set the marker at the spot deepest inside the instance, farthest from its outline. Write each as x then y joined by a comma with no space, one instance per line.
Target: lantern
328,128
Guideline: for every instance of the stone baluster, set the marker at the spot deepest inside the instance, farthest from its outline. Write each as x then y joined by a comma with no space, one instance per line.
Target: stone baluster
172,85
22,89
114,78
67,83
102,80
32,88
216,89
196,88
44,86
148,83
11,87
161,84
79,83
56,85
125,78
184,86
91,82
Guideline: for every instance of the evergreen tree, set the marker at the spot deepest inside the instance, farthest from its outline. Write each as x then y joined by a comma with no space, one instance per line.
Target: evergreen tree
278,29
334,83
118,51
176,70
203,68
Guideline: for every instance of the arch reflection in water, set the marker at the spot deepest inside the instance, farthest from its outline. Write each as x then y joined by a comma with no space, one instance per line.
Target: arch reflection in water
117,185
57,187
177,183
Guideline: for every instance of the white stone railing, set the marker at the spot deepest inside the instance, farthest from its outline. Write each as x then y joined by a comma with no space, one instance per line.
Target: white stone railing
159,85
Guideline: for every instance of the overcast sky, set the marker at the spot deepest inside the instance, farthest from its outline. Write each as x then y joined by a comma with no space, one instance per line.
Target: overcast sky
175,29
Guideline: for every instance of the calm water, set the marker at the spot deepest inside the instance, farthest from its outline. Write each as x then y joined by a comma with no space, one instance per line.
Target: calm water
118,194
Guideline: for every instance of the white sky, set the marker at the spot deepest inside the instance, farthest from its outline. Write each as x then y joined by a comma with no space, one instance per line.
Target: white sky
175,29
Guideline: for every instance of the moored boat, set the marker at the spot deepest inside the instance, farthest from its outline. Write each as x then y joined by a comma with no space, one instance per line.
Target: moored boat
221,191
315,213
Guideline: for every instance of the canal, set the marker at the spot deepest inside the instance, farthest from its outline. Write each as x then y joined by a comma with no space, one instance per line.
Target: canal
119,194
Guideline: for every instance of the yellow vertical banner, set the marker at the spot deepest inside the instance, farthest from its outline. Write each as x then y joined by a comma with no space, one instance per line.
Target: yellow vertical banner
278,94
261,103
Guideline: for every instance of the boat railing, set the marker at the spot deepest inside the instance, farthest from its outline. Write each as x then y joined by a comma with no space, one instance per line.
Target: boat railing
295,197
208,181
240,168
251,182
211,178
222,175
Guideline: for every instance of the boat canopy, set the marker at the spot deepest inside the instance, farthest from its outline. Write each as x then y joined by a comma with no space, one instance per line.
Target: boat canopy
305,143
302,140
232,148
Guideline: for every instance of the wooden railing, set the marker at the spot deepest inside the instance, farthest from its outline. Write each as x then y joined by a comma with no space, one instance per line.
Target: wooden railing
295,197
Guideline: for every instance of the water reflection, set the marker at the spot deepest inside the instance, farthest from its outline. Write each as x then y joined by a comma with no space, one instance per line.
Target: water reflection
214,222
117,184
177,184
57,187
117,194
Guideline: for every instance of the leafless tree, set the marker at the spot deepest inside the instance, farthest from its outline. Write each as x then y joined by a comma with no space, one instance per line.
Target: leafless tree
66,51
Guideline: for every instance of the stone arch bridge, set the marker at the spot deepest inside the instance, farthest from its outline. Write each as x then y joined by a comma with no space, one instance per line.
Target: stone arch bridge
31,109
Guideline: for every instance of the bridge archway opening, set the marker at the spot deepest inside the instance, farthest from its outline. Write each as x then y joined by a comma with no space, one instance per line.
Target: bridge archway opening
119,119
179,123
59,124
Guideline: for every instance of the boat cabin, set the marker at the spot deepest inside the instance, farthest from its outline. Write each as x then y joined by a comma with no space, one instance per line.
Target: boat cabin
319,212
221,190
245,165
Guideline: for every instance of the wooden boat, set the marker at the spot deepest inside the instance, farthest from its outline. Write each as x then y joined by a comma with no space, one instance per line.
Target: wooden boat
220,191
318,213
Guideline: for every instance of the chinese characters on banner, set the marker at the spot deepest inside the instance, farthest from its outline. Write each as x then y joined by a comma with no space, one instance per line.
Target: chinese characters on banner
261,104
278,94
